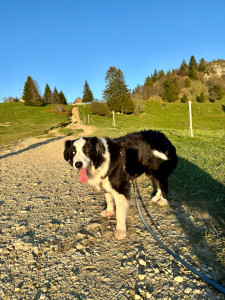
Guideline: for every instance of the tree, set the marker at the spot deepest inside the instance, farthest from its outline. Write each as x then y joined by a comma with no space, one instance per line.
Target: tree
87,93
47,98
154,77
171,89
31,94
202,65
99,108
193,69
216,92
148,82
62,98
116,93
183,70
55,97
187,82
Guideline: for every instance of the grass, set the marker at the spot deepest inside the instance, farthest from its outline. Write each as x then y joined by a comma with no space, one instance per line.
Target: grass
18,121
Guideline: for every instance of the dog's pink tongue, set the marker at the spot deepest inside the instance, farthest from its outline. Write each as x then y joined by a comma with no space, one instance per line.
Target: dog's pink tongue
83,177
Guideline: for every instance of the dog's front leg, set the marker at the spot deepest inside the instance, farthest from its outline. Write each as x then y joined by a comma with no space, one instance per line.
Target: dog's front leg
121,216
110,206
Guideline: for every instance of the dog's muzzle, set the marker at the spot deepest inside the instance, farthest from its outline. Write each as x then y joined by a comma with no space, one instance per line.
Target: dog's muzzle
79,164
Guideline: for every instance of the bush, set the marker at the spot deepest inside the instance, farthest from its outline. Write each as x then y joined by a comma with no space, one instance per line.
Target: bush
99,108
201,98
184,99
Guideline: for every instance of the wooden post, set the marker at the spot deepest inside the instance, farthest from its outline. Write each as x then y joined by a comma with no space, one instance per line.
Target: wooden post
190,119
114,123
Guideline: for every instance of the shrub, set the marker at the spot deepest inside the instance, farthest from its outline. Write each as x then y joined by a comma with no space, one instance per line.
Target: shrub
184,98
99,108
201,98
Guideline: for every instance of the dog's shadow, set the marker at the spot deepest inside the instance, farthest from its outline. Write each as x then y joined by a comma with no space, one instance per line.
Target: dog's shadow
197,201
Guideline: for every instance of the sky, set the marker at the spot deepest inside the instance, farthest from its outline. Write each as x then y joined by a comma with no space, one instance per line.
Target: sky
65,42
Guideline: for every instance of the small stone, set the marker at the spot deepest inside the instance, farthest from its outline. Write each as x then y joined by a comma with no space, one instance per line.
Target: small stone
17,290
141,277
142,262
178,279
137,297
187,290
79,247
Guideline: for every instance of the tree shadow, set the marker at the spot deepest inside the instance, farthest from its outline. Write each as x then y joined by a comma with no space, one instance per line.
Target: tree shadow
31,147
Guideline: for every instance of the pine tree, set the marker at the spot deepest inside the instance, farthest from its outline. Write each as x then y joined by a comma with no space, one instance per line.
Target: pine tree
87,93
183,70
31,94
171,89
116,93
202,65
55,97
148,82
62,98
193,69
154,77
47,98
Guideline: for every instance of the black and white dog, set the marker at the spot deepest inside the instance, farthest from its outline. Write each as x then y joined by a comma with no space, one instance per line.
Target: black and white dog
109,164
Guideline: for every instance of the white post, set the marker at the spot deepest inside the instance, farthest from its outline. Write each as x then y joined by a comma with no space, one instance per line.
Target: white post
114,123
190,119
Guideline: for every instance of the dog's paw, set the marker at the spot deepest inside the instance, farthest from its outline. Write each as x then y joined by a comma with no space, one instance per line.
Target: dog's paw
162,202
107,213
155,198
120,234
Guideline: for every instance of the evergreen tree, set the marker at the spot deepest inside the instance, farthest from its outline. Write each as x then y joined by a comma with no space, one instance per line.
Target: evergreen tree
193,69
47,95
116,93
154,77
183,70
171,89
148,82
55,97
161,74
184,98
87,93
187,82
216,92
202,65
31,94
62,98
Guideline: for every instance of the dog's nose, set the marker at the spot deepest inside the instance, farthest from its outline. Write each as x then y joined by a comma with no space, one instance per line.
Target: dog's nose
78,164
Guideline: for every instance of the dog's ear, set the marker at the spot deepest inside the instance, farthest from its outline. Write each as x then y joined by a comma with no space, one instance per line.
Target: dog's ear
68,149
99,147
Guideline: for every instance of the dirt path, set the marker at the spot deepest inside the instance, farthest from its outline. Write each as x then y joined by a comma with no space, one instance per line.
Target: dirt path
55,245
76,123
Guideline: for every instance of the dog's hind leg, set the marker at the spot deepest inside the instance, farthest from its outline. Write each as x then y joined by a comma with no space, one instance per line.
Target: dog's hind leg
110,206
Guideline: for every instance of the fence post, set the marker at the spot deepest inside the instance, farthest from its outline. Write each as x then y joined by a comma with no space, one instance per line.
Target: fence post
190,119
114,122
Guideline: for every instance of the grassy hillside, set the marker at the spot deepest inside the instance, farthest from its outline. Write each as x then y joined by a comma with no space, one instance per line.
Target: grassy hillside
18,121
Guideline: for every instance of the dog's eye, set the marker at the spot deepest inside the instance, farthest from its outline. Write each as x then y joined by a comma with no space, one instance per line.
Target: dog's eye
74,152
86,151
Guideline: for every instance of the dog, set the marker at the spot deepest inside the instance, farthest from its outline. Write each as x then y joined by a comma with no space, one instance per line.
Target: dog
110,164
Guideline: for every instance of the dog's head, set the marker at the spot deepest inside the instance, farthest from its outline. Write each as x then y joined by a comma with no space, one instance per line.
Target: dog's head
83,153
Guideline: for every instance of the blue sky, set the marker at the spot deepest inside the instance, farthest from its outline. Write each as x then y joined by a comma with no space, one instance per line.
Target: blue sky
65,42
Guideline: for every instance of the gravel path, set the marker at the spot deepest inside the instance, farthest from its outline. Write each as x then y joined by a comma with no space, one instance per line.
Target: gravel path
55,245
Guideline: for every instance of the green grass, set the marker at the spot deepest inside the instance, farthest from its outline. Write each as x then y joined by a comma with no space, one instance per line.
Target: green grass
18,121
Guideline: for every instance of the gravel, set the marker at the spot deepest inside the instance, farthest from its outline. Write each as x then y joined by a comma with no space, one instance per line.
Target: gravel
55,245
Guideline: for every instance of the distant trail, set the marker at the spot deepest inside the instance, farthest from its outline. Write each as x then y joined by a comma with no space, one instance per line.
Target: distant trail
76,124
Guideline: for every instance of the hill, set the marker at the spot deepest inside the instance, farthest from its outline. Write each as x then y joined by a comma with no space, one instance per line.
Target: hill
190,80
18,121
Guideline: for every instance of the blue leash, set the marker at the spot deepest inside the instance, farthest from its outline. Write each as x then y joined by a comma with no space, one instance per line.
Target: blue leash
211,282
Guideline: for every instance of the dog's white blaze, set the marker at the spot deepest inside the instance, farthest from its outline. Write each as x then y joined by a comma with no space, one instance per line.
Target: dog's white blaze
159,154
80,156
